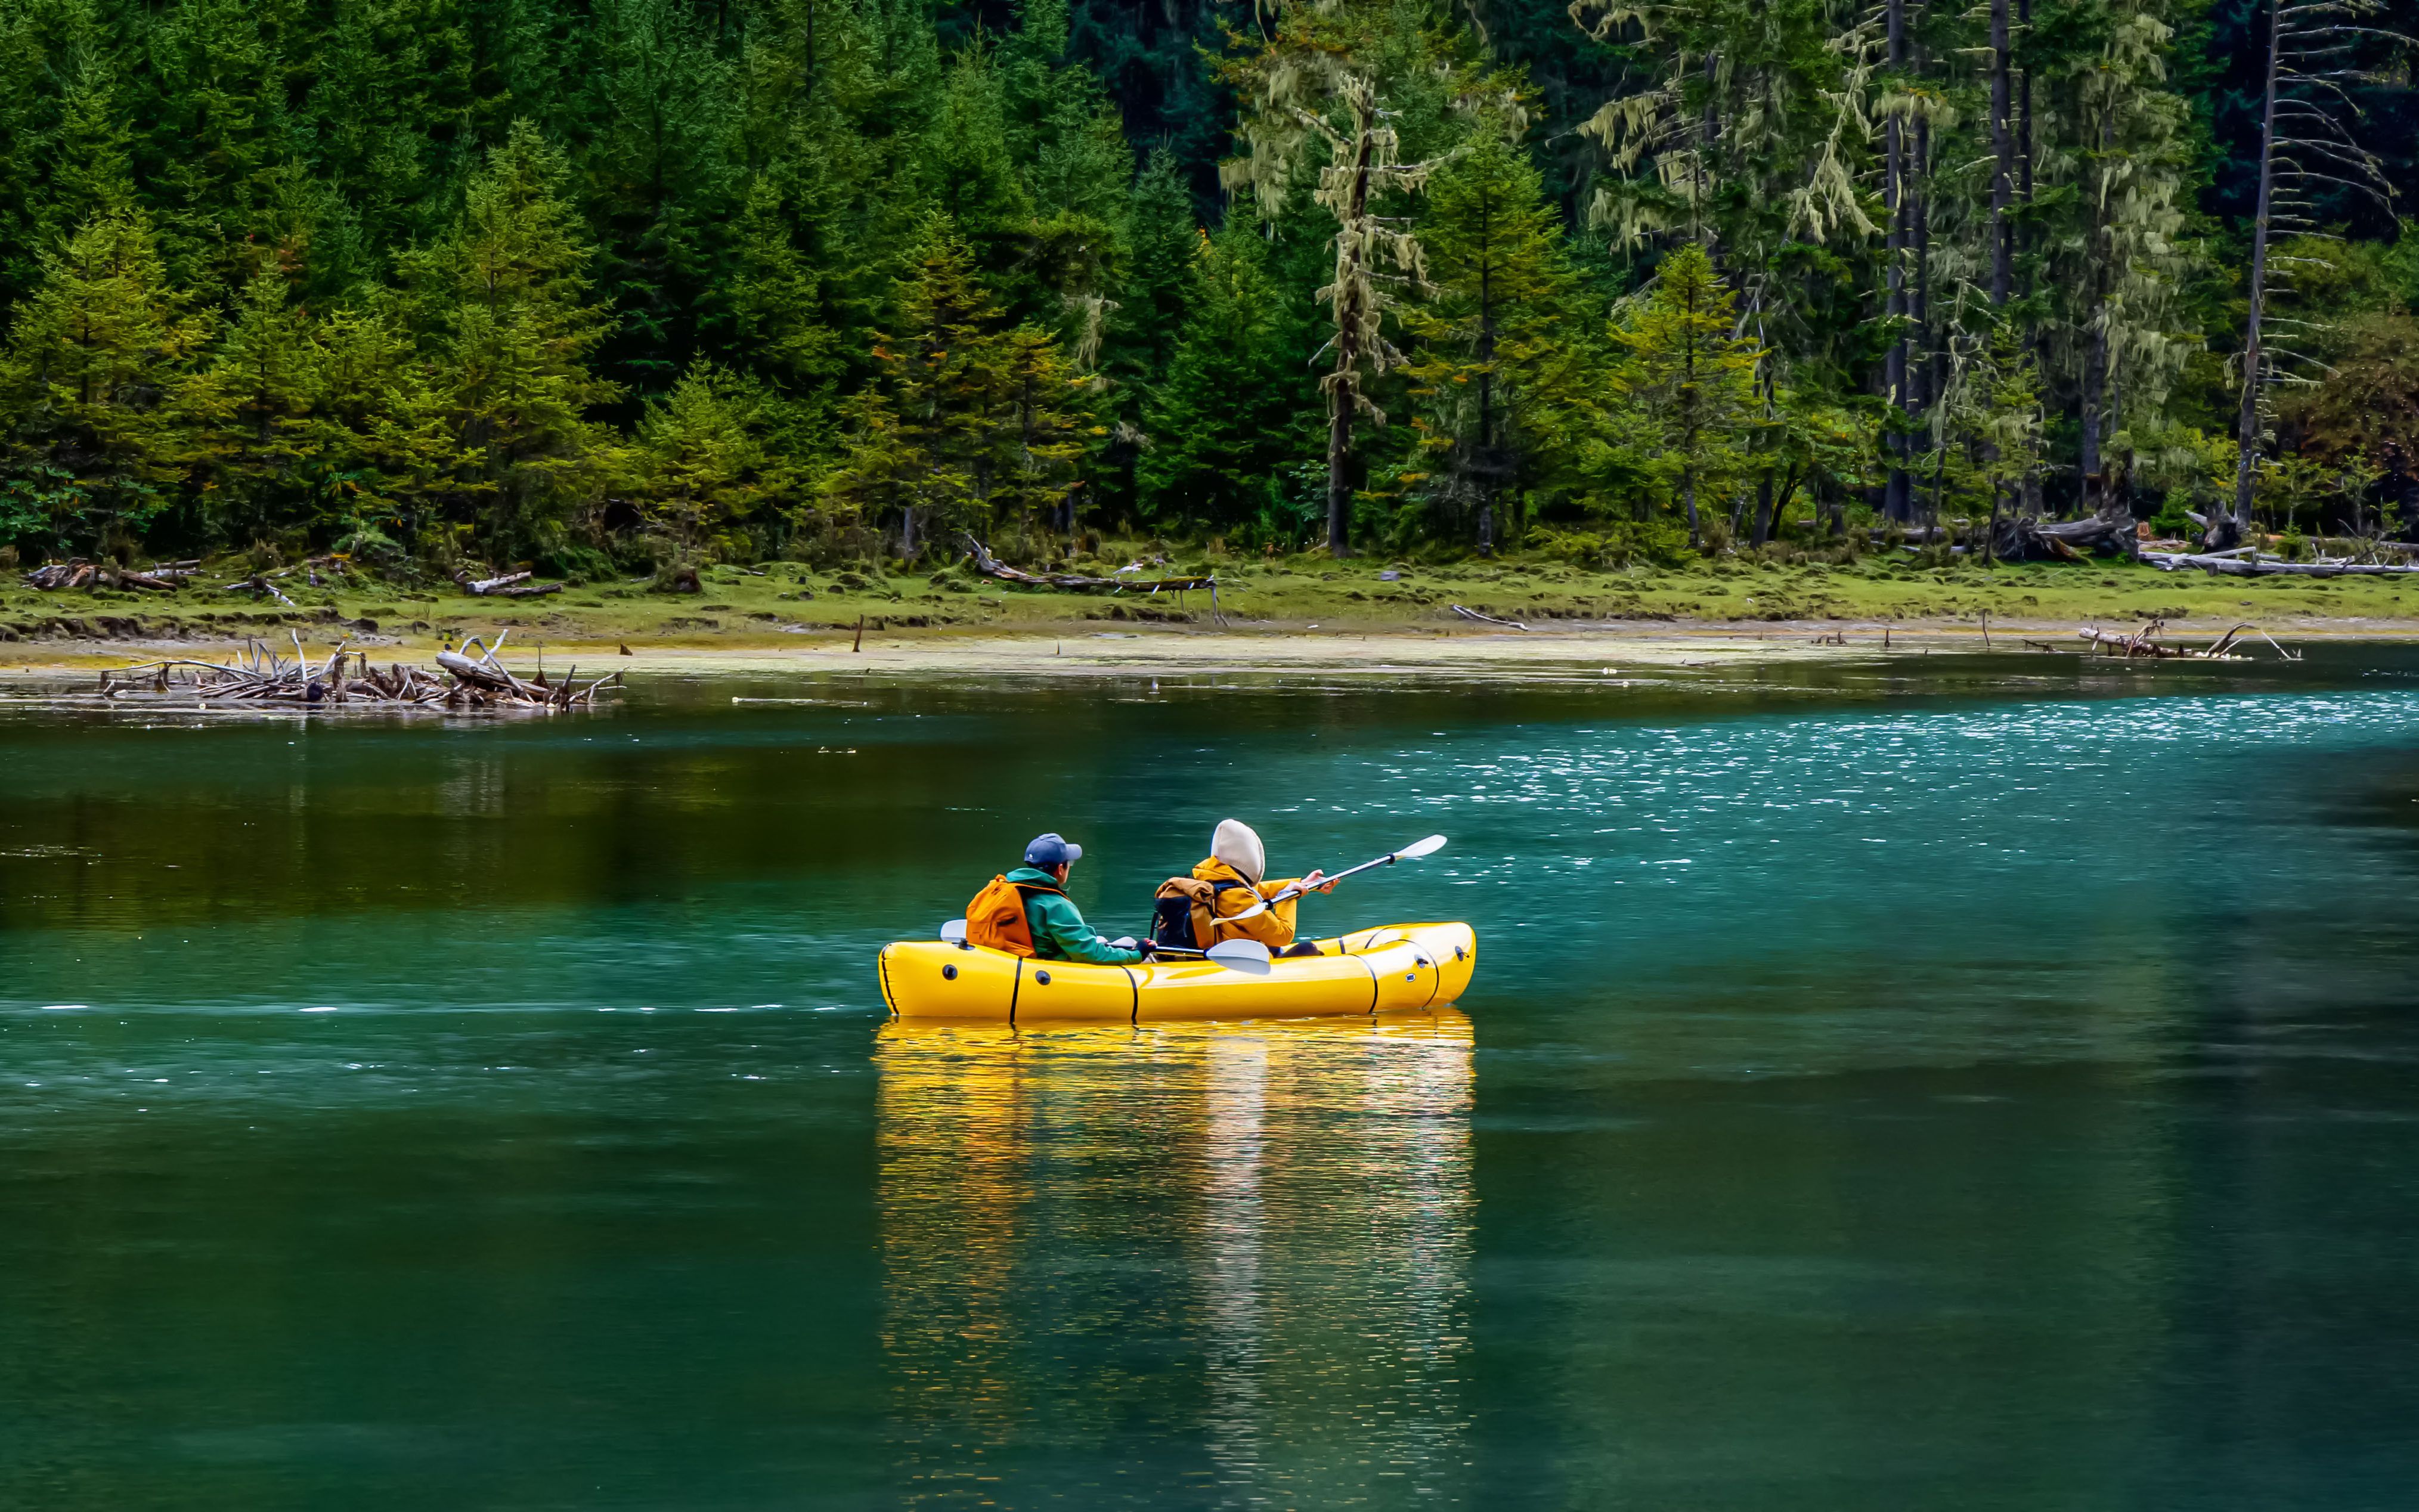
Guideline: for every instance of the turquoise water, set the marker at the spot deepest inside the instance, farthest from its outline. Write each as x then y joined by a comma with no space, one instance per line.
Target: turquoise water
1923,1082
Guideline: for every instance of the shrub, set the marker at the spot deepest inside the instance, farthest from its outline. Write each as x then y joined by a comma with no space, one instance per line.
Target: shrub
1619,544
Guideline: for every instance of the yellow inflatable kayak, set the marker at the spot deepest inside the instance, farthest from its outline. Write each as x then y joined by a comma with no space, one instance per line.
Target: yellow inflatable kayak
1392,967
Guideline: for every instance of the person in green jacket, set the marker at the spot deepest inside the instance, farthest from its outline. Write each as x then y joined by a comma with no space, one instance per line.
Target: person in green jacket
1060,932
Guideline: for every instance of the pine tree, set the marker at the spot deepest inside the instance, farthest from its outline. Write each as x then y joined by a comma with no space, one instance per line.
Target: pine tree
1693,382
384,452
96,386
977,427
703,463
970,170
218,140
2005,418
2117,255
1040,438
1157,272
776,296
1226,418
64,146
508,304
1495,341
660,179
254,405
1316,79
393,118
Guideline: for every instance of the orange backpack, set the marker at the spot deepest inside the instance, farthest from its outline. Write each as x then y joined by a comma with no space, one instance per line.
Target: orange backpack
995,919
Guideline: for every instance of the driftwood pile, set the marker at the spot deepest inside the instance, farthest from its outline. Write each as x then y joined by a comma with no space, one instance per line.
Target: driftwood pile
2144,642
164,578
264,677
317,572
990,566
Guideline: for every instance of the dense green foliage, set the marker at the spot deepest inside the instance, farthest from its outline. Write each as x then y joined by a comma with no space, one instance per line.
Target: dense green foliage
641,282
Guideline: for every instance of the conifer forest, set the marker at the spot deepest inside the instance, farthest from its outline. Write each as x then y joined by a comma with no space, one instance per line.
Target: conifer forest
614,286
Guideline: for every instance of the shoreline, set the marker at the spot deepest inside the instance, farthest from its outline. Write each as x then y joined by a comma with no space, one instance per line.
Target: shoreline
1087,651
1507,617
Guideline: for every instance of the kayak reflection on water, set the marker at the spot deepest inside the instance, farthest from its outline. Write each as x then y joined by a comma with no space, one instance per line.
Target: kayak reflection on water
1253,1239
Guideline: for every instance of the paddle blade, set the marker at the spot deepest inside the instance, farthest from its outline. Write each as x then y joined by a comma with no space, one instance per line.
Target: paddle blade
954,932
1254,912
1421,847
1240,955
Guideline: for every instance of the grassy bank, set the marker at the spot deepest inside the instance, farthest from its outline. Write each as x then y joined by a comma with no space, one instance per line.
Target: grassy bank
790,604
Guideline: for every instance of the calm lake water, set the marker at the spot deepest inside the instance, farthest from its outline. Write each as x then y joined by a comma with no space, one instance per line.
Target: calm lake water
1943,1082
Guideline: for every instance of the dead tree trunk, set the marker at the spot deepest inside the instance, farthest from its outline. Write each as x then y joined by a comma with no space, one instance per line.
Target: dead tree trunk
2248,431
1897,493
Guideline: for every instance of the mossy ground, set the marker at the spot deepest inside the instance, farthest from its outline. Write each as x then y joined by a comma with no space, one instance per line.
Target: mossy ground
783,602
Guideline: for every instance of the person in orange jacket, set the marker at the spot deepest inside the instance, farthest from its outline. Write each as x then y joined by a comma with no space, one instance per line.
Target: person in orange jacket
1196,911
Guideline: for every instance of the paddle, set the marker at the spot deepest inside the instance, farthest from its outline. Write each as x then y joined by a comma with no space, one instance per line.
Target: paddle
1409,852
1240,955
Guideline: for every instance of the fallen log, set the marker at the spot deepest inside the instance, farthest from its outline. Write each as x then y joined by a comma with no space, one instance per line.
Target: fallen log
257,585
2023,538
990,566
54,576
511,585
1485,619
2236,563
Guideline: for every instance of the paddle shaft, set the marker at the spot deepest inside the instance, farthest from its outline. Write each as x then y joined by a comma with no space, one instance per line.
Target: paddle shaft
1327,881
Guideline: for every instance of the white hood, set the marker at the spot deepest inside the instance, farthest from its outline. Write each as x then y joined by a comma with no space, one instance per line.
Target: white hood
1239,846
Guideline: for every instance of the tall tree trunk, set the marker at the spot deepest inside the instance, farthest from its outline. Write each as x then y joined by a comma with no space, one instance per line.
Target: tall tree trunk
2003,165
2247,432
2095,391
1487,455
1704,157
1339,486
2032,484
1763,509
1898,492
1343,382
1925,377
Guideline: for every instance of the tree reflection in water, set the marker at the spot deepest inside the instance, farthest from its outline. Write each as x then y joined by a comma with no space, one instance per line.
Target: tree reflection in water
1206,1263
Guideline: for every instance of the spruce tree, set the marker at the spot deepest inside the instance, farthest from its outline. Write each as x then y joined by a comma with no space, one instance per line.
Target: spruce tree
1157,272
1691,379
776,294
703,466
254,404
660,181
976,423
1496,348
970,172
96,387
218,141
1230,413
508,305
384,452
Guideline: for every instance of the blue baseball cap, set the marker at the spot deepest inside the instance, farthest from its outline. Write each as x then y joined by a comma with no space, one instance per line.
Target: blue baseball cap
1051,850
